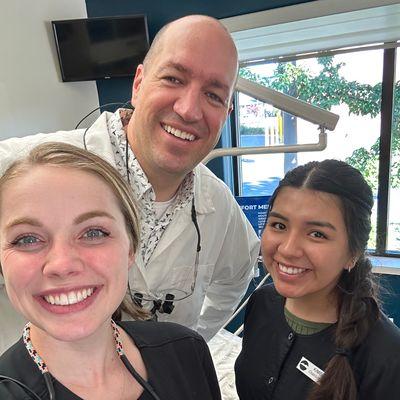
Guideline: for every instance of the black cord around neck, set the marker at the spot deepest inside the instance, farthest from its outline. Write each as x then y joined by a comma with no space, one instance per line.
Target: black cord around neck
123,105
5,379
50,388
146,386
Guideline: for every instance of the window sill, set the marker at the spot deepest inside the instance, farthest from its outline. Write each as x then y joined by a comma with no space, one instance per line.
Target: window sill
385,265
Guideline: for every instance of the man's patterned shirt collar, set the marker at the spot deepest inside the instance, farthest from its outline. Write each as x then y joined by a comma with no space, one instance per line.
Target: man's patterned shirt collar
151,227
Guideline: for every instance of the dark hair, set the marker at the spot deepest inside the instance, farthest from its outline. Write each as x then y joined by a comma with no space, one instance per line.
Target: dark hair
357,298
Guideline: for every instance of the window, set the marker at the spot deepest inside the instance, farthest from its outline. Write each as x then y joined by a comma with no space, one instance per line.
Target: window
354,82
339,83
393,231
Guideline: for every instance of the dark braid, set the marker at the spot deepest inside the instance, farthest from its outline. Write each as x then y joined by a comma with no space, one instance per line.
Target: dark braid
358,310
357,298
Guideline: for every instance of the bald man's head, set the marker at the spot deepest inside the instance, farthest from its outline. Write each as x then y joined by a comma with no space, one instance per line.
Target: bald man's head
182,95
186,25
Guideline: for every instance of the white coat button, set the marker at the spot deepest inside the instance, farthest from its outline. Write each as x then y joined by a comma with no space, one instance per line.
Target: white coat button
290,336
271,380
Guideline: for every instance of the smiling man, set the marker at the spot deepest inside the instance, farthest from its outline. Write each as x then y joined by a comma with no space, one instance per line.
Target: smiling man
197,250
182,96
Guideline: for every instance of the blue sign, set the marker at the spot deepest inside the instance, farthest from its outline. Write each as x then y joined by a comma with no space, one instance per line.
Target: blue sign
255,208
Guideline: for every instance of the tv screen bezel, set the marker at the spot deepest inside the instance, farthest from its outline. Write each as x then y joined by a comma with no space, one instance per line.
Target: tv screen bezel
65,78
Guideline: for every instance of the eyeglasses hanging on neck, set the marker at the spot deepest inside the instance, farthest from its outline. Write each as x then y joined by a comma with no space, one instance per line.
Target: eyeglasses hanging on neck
163,301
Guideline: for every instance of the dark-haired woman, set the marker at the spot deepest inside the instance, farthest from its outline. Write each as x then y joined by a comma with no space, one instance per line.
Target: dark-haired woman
317,332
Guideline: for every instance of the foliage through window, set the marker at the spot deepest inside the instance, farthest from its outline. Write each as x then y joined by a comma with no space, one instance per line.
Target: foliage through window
348,84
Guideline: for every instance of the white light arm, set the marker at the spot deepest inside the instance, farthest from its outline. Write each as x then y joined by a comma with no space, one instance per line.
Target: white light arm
289,104
323,118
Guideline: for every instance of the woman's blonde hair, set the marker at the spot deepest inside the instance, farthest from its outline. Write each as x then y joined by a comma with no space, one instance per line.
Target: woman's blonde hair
68,156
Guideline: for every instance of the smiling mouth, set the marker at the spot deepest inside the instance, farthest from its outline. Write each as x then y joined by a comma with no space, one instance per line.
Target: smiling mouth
178,133
69,298
291,270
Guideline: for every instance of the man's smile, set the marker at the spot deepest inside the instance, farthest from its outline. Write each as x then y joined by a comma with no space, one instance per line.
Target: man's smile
178,133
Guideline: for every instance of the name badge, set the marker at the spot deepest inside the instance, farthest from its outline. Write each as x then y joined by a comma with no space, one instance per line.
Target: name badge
309,369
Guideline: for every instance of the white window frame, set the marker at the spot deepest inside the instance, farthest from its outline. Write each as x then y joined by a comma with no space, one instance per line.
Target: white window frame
317,25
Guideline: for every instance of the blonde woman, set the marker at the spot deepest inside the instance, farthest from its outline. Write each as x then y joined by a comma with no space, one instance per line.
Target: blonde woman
68,235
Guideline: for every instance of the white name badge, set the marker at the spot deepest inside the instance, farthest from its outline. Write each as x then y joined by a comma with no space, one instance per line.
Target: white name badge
309,369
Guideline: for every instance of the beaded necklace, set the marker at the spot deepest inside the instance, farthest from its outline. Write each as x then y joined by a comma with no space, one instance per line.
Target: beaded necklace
118,346
39,361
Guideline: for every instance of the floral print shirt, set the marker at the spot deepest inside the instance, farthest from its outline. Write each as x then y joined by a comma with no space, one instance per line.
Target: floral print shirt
151,227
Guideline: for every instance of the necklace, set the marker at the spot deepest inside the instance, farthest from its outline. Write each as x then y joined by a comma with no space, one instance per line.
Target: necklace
120,351
37,359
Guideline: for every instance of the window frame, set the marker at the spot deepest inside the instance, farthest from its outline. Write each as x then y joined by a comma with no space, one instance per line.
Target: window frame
385,135
288,16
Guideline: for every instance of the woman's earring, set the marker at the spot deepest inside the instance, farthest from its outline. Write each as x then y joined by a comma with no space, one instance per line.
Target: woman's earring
352,264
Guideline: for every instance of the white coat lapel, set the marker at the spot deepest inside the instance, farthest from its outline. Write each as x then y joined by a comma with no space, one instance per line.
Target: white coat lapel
179,223
98,141
139,278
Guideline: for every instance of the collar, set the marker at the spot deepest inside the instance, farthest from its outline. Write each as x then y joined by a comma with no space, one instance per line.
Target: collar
117,124
99,140
206,192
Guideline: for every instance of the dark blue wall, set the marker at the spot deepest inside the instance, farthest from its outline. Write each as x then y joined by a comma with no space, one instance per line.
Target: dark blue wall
390,296
159,12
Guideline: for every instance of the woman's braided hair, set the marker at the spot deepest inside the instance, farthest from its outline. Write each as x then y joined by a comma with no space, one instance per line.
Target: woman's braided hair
357,298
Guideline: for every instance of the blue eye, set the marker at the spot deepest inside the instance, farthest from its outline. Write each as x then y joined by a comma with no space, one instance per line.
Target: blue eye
25,241
95,233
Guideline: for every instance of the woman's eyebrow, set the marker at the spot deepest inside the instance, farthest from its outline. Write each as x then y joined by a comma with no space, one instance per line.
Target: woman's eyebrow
92,214
23,221
322,224
277,215
81,218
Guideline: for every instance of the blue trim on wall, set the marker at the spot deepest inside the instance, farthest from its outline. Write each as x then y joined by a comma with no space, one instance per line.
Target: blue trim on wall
160,12
390,296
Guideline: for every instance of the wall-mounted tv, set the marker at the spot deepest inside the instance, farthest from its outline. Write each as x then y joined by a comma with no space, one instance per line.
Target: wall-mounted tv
100,48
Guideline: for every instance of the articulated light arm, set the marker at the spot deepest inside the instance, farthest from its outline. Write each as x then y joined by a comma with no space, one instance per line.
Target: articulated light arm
324,119
289,104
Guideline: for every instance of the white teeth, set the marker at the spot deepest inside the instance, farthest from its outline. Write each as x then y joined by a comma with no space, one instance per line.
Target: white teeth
291,270
64,299
178,133
69,298
72,298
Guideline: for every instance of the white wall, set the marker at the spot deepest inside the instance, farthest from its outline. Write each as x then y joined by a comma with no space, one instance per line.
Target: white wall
32,96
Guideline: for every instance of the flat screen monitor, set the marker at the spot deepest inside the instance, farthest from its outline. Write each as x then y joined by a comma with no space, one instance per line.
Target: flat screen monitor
100,48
